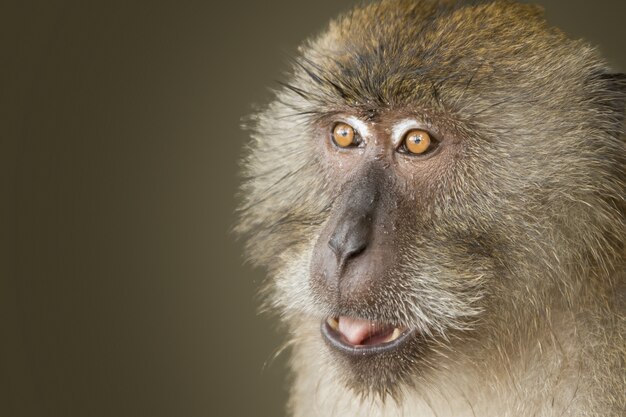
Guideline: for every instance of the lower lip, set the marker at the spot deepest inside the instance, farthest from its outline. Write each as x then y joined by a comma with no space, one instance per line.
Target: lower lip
334,340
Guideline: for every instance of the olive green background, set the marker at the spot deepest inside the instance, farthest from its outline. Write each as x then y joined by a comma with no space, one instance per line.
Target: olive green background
122,291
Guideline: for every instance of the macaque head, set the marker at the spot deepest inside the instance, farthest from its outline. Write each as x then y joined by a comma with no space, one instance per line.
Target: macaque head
431,175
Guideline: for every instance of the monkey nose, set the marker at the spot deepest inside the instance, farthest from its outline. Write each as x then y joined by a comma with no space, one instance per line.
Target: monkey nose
350,237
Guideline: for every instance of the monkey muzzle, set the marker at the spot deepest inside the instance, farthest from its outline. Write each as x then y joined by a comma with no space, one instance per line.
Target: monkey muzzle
351,258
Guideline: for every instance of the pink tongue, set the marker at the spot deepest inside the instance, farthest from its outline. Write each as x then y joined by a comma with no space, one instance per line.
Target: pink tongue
355,330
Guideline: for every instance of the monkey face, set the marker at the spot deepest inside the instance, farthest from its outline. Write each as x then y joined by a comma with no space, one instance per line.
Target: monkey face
383,266
380,266
414,184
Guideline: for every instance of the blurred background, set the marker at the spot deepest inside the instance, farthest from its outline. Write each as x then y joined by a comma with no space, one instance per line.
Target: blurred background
122,290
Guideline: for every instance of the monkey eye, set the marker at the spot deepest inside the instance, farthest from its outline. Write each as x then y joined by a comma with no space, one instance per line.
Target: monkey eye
344,136
417,142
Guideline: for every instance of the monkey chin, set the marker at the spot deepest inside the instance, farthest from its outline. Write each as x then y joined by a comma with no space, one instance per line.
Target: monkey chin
380,359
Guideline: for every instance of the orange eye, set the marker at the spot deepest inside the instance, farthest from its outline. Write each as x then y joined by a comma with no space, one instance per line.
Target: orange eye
343,135
417,141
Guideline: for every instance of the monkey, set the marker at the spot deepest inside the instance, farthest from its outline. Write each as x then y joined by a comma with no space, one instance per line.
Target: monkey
436,192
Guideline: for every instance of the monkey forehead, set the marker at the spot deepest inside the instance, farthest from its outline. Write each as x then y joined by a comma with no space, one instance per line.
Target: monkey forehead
395,52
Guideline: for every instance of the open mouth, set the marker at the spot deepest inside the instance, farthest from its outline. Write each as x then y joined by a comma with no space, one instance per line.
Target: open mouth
362,337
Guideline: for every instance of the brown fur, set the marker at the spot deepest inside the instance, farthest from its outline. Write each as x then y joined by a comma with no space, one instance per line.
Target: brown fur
510,246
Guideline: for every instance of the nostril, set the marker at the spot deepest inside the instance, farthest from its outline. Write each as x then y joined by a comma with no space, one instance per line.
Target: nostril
356,250
335,246
346,250
341,247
